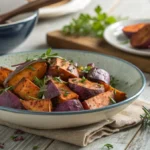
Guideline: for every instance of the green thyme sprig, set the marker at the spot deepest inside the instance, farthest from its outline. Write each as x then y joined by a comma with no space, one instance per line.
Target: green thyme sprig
86,24
145,118
45,56
10,88
112,100
42,84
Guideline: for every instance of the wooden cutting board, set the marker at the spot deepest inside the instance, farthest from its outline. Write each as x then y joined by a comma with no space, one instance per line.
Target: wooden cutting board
57,40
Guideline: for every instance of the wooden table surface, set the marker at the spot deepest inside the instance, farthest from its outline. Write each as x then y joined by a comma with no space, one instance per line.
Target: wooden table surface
133,139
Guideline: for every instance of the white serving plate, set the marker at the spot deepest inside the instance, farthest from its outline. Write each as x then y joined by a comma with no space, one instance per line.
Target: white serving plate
67,8
114,36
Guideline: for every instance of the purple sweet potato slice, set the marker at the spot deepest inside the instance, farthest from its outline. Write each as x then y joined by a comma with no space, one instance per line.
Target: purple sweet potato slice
58,89
85,88
70,105
8,99
63,68
52,90
97,74
141,39
132,29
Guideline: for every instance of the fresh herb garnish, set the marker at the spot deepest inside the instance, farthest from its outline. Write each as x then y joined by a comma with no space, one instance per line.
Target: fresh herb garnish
86,69
113,81
108,146
145,118
35,147
10,88
31,68
34,98
66,93
17,138
86,24
58,79
45,56
42,84
83,79
112,100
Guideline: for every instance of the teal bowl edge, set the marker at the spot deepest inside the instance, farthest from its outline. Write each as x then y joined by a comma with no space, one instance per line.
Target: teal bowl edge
132,98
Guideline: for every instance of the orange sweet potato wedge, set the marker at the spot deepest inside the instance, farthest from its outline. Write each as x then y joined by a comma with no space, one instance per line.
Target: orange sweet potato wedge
4,72
63,68
118,95
43,105
141,39
131,29
65,92
98,101
35,70
26,89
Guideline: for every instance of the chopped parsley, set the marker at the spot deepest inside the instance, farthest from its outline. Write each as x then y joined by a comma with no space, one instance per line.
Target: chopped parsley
113,81
94,26
108,146
86,69
83,79
66,93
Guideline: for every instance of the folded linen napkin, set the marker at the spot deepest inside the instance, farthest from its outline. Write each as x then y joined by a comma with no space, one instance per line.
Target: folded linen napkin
82,136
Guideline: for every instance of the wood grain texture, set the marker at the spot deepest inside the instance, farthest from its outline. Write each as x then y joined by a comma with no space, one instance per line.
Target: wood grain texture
141,141
27,144
118,140
57,40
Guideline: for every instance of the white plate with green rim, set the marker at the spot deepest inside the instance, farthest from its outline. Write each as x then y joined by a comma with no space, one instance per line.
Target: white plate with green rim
113,35
131,81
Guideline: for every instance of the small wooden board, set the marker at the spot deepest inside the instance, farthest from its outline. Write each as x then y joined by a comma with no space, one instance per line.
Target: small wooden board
57,40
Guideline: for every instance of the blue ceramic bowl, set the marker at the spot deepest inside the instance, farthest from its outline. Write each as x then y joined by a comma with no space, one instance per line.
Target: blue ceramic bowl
14,33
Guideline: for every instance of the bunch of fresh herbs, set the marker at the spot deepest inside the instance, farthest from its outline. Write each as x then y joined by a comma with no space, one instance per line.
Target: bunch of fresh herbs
86,24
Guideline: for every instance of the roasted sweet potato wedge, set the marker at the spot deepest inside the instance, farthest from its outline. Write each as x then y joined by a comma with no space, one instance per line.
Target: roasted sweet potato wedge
4,72
43,105
35,70
141,39
118,95
70,105
63,68
26,89
63,93
85,88
98,101
131,29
